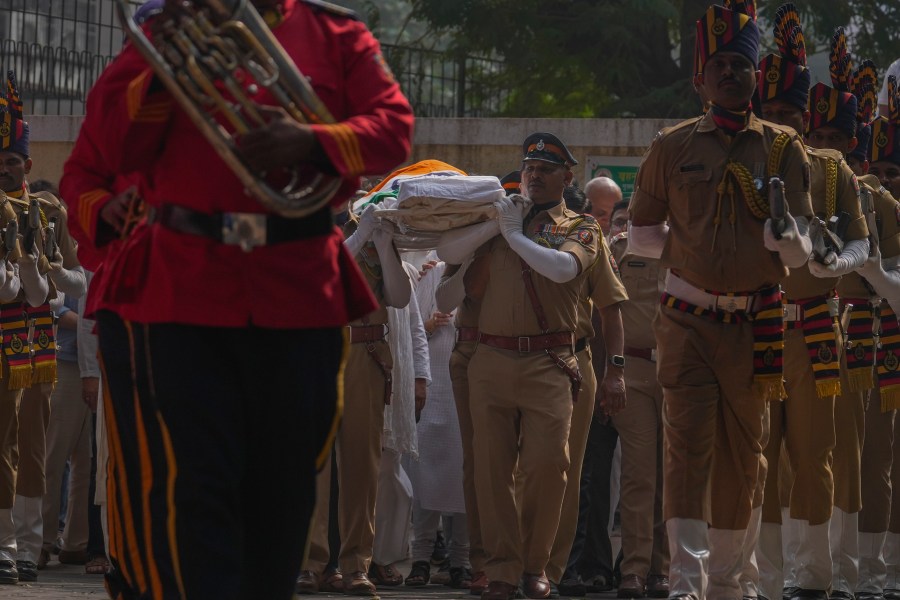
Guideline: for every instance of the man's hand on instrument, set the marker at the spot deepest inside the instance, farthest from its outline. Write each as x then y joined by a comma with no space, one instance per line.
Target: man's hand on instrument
115,212
509,216
282,142
794,246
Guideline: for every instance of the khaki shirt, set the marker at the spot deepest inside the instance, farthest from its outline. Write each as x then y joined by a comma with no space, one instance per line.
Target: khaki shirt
644,280
370,265
602,288
506,308
678,181
841,188
887,216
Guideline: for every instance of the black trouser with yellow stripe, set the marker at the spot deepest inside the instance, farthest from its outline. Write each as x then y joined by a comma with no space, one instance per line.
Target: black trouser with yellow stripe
214,435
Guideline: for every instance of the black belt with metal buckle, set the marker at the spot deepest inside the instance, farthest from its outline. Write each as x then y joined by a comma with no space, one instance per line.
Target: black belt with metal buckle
243,229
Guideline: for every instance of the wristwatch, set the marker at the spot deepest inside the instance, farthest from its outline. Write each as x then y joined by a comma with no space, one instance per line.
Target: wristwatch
617,360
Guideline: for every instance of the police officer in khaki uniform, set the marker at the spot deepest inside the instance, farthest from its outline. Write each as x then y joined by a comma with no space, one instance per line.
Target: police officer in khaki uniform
603,292
523,376
833,125
879,520
30,364
367,388
805,421
645,549
697,205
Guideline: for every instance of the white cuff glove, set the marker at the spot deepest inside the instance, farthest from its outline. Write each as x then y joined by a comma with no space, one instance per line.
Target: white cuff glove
556,266
451,291
886,283
71,282
458,245
509,216
367,223
11,285
35,284
794,246
853,257
648,240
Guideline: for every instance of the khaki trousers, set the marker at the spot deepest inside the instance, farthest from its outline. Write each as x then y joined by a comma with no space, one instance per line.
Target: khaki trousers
459,376
317,553
894,523
645,545
877,456
68,437
713,420
521,411
9,444
359,456
34,419
849,433
582,413
808,432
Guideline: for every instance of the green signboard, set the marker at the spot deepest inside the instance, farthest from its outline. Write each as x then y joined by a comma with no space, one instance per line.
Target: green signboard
621,169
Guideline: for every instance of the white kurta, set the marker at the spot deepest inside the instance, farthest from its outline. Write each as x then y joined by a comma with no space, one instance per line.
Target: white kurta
437,475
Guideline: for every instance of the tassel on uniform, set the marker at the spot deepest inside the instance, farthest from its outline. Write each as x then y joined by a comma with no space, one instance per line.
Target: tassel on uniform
769,388
828,387
890,398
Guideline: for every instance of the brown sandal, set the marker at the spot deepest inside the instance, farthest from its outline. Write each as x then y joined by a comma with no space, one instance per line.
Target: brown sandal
384,575
97,566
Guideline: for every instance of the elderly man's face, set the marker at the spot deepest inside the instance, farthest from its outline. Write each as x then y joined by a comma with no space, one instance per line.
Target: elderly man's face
602,201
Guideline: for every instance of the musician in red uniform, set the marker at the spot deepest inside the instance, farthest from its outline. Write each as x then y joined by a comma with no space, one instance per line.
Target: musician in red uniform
221,360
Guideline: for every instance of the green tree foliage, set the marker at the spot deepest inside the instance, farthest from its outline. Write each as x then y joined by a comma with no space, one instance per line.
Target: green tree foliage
601,58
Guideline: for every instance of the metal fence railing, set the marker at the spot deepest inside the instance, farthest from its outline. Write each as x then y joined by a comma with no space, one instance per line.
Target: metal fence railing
58,48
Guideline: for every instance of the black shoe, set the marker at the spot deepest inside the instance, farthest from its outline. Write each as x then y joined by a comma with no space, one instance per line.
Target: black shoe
788,592
27,570
599,583
891,594
572,586
460,578
841,595
8,572
870,596
804,594
554,590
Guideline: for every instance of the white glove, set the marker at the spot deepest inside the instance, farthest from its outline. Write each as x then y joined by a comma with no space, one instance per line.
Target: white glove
35,284
509,216
367,223
886,283
794,246
458,245
11,285
648,240
853,257
71,282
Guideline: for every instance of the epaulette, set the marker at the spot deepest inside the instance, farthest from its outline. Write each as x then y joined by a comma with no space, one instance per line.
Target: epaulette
47,200
333,9
825,153
667,131
622,235
874,183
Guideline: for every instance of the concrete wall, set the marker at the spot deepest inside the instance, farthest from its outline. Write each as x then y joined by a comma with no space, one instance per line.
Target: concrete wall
478,146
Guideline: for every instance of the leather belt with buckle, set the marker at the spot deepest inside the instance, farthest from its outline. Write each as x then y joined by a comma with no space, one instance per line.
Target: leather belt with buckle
466,334
793,313
528,343
645,353
246,230
367,333
683,290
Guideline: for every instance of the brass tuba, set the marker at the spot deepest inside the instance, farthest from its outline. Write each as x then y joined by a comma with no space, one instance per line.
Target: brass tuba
196,52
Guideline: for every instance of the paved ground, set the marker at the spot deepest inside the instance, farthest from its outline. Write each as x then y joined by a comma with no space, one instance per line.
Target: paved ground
69,582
